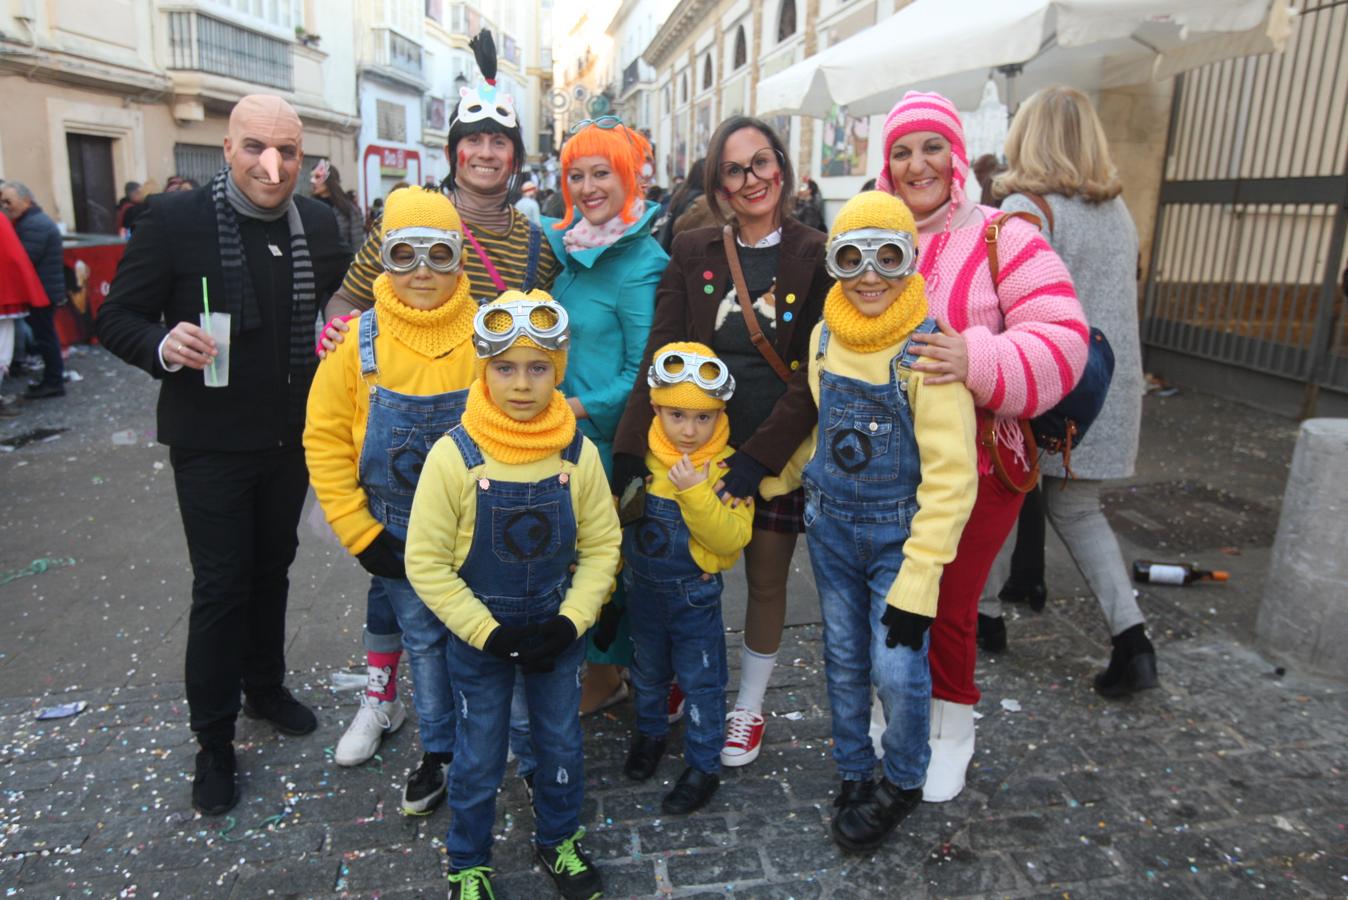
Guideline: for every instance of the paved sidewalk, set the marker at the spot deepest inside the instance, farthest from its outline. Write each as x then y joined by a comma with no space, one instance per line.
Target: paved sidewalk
1231,781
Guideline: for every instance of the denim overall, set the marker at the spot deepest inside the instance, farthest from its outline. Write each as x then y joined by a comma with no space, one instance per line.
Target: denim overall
524,542
399,431
860,498
675,614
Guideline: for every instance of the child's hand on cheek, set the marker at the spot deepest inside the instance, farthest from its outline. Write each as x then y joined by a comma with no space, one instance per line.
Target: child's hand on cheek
683,474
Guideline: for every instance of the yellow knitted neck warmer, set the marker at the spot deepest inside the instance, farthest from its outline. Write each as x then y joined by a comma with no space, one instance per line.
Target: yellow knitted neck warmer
866,334
665,451
516,443
430,332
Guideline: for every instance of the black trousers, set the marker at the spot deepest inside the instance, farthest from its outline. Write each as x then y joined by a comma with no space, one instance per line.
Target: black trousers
1027,560
240,514
48,345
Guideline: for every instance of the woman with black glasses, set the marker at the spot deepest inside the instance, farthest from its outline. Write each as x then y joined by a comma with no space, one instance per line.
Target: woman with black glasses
752,293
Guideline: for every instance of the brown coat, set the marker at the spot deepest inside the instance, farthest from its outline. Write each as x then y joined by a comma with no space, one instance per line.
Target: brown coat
684,311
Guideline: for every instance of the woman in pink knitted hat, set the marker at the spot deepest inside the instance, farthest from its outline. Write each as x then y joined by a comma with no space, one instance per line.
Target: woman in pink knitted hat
1018,344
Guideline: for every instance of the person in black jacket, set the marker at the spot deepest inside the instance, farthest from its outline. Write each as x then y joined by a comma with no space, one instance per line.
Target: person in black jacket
41,240
270,259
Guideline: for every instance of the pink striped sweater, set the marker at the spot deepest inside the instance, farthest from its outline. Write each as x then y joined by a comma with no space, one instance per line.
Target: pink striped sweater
1027,336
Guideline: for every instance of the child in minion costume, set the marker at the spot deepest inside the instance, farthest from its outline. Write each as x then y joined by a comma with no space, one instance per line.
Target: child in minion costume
507,503
377,405
890,477
674,555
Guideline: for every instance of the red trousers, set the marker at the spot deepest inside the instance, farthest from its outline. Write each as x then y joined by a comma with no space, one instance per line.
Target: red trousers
953,648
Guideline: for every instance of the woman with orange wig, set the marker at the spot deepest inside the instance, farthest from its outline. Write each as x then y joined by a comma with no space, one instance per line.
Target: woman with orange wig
612,266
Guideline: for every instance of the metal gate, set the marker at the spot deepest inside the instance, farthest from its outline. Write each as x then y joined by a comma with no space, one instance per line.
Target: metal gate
1249,243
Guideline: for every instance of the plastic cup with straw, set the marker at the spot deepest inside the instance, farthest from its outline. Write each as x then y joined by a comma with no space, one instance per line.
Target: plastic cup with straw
208,322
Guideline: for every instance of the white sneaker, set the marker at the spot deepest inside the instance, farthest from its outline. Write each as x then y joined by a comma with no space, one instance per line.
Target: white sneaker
375,719
952,747
743,737
878,727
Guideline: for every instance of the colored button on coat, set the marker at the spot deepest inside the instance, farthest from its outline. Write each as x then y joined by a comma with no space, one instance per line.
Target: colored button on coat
790,298
709,289
709,275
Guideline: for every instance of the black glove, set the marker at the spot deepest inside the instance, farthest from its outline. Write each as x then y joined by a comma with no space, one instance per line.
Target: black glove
625,468
384,557
507,641
743,475
552,637
606,629
905,627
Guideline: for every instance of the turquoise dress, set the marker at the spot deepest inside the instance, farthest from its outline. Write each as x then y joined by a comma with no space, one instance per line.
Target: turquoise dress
609,295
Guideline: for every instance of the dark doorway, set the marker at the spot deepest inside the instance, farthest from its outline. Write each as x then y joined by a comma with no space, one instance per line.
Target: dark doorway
92,184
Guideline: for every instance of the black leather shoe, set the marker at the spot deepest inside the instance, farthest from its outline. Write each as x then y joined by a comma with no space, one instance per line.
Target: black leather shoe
862,826
853,792
691,792
286,714
1132,665
213,788
43,391
992,633
1034,595
643,756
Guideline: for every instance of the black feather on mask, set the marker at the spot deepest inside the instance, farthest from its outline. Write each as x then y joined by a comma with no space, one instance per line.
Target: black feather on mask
484,51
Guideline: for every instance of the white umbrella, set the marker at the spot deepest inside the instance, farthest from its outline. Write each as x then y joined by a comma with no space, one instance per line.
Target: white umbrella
950,46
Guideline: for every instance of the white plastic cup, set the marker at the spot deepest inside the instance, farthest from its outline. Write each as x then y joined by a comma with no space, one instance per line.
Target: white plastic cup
217,326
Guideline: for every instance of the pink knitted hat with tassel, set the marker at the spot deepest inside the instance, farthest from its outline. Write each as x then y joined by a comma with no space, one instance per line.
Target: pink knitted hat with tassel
919,111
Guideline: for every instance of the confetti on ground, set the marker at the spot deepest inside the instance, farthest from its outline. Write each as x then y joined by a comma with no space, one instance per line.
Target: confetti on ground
1011,705
37,567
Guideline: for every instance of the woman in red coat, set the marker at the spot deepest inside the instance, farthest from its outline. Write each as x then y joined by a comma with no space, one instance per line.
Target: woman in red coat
20,290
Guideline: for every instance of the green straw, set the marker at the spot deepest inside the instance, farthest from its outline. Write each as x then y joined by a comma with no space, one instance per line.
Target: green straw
206,302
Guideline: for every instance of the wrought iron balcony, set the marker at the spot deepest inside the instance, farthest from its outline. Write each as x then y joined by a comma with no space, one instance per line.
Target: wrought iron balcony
201,43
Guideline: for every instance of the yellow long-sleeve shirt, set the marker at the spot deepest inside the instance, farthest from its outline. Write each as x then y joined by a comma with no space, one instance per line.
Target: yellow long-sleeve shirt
943,423
717,532
339,404
444,513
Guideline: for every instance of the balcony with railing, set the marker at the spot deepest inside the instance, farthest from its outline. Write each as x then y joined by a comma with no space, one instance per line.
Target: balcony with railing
201,43
393,50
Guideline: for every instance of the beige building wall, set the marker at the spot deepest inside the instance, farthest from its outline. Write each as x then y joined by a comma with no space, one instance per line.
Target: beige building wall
1136,120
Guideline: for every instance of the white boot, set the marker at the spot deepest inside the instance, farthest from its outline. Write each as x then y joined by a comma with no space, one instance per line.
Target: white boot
952,747
877,727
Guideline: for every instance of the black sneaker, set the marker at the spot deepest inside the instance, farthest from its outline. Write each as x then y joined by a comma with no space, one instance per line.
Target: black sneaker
1132,665
575,876
471,884
691,792
213,788
862,826
43,391
286,714
643,756
426,788
853,792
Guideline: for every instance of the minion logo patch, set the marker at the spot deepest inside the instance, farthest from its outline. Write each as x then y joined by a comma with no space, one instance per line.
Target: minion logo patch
852,450
652,539
527,534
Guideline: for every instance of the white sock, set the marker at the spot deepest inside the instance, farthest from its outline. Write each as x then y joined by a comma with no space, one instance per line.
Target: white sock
755,673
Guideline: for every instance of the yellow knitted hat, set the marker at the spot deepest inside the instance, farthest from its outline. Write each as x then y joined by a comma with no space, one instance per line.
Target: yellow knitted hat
874,209
685,394
558,357
415,207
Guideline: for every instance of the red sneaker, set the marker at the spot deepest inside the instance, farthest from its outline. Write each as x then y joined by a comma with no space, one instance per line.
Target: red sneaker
743,737
676,699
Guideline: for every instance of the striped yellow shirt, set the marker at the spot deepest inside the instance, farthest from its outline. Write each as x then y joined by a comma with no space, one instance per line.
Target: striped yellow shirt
509,253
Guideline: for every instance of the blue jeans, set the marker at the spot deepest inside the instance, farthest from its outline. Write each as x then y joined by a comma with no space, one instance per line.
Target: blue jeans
520,742
382,633
426,639
855,563
677,631
483,685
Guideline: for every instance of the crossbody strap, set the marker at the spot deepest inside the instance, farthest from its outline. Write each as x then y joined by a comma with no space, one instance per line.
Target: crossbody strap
756,335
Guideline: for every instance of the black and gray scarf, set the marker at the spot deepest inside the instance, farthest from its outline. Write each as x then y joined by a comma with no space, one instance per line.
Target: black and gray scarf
239,299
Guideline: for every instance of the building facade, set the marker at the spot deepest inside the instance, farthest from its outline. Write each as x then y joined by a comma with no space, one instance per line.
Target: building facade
101,92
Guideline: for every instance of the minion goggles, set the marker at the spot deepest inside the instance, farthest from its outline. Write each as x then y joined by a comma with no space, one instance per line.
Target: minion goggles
432,246
707,372
497,325
869,242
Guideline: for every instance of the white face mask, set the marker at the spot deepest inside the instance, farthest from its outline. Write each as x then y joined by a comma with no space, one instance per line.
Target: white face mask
483,103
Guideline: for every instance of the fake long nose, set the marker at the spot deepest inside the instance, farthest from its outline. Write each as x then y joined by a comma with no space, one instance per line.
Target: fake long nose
271,164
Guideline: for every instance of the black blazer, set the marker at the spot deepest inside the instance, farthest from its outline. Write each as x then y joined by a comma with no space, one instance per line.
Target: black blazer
684,311
158,284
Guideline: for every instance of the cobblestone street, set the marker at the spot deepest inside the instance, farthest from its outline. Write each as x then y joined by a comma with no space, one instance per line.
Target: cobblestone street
1230,781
